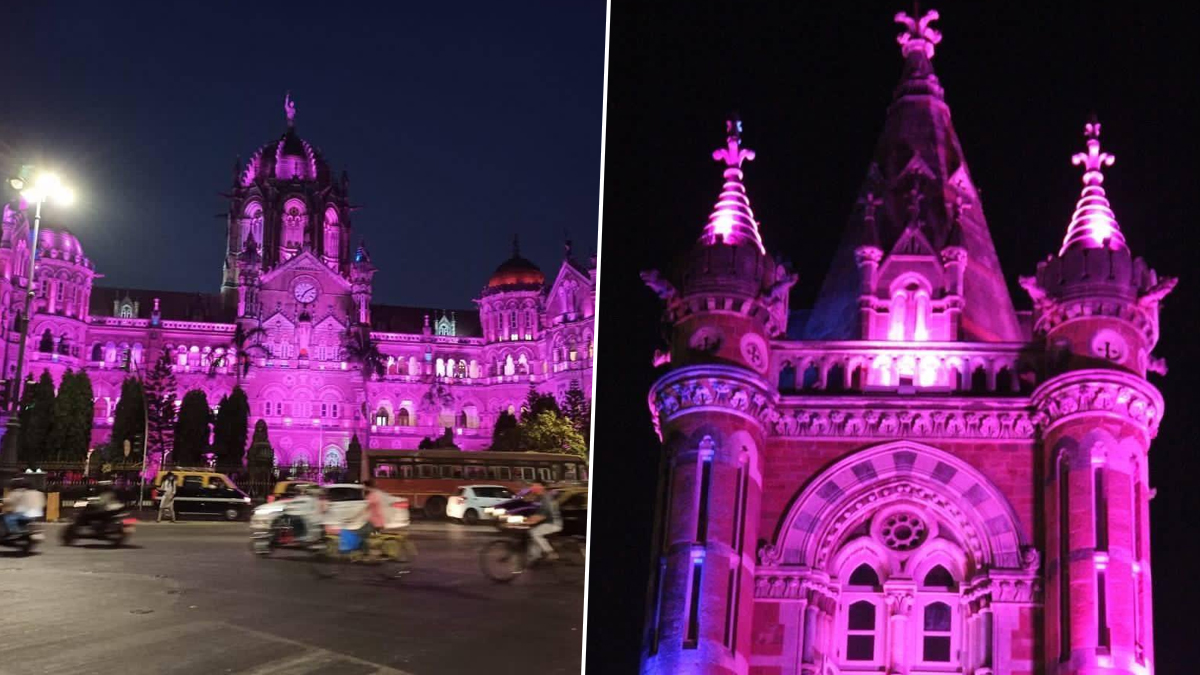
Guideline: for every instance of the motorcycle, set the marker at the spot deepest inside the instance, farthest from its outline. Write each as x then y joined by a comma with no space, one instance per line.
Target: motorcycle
24,539
111,523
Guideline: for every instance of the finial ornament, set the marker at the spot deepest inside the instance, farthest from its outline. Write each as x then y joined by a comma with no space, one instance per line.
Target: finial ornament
1093,225
289,109
918,36
1093,160
733,154
516,247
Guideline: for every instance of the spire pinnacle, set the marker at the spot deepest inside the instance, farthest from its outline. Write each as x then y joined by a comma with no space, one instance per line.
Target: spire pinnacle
1093,224
516,246
732,221
918,36
289,109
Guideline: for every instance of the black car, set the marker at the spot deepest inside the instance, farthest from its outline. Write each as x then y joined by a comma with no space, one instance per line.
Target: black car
211,495
572,504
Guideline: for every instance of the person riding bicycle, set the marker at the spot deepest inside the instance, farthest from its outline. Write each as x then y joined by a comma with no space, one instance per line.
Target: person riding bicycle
547,521
372,518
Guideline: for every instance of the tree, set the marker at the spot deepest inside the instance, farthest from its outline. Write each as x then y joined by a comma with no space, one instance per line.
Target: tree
354,456
576,408
129,420
506,434
550,432
261,460
37,411
71,423
245,345
230,429
160,406
362,350
192,429
537,403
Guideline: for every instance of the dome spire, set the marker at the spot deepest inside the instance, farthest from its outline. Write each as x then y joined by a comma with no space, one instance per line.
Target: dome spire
516,246
1093,224
289,109
732,221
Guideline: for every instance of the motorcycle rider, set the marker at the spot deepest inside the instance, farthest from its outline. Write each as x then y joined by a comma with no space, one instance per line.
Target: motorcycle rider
21,505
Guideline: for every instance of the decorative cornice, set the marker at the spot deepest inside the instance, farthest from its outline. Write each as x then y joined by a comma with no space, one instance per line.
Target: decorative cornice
795,585
948,419
721,388
1054,312
1103,392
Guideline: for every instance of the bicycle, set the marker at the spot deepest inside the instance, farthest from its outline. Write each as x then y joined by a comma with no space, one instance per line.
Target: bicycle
503,560
388,554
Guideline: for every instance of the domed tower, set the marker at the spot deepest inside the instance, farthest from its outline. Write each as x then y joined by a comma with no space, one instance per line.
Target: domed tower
286,200
1096,306
509,307
723,306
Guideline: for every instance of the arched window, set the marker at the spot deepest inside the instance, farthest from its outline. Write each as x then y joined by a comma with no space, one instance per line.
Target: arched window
510,368
835,379
382,417
787,378
126,311
979,380
523,365
864,575
46,344
936,637
909,314
403,419
462,368
811,377
97,352
939,577
860,631
440,368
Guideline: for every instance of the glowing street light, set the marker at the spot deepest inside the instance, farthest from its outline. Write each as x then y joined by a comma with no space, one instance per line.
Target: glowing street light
46,186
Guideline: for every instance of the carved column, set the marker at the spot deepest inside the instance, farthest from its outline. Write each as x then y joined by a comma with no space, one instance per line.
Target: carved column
899,605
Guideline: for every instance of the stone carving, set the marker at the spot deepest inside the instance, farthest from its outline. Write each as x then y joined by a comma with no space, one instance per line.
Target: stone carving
663,288
713,391
1110,397
904,424
918,35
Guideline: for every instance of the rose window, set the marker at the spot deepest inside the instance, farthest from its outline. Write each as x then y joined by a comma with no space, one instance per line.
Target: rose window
903,531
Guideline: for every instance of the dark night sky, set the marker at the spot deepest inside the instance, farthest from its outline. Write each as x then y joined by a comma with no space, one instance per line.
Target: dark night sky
812,82
460,125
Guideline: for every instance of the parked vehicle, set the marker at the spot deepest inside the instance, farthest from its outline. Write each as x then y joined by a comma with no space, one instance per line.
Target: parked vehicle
286,489
471,503
300,521
205,493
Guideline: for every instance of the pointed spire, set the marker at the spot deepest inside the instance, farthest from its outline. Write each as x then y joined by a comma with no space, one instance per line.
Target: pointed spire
917,44
732,221
516,246
362,255
1093,225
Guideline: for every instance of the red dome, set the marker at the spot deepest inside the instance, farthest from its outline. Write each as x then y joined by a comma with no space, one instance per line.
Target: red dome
516,271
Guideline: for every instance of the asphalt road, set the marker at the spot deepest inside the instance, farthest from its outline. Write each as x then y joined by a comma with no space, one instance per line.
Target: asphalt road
190,598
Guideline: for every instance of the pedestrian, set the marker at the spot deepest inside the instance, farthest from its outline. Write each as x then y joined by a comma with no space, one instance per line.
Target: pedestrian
167,503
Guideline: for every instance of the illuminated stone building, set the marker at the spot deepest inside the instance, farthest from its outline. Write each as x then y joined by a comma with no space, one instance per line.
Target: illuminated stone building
291,268
912,476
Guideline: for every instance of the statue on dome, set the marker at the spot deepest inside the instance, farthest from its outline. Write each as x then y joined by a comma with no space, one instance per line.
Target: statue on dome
289,109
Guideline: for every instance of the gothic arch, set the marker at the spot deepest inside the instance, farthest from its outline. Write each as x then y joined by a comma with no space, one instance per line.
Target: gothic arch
843,496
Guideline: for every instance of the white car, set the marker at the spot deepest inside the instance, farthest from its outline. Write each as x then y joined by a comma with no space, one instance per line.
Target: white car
301,519
472,501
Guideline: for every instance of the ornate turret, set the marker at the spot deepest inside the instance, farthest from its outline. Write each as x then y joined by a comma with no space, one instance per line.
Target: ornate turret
1096,307
362,274
712,410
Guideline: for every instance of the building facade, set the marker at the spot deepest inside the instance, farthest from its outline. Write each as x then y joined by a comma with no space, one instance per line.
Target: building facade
292,270
913,476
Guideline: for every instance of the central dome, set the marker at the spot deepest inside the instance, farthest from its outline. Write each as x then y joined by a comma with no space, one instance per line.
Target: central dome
288,158
516,271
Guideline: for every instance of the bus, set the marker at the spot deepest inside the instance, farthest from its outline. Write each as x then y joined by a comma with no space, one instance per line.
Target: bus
429,477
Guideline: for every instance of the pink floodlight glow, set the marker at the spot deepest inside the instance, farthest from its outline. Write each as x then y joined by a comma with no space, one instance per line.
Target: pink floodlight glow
918,36
1093,224
732,220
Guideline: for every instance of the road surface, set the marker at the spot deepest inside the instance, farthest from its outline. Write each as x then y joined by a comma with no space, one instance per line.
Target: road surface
190,598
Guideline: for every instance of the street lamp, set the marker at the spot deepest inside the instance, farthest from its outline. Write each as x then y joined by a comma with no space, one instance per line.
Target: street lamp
46,186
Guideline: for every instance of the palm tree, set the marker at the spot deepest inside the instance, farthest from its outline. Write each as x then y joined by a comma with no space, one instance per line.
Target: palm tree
362,350
245,345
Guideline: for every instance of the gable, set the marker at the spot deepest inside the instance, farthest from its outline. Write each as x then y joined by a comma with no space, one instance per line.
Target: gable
307,263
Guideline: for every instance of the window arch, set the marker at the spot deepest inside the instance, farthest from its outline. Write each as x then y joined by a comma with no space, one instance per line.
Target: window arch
862,621
936,634
909,314
403,418
382,417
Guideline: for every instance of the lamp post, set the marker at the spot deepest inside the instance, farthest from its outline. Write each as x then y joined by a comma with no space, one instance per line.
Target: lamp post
46,186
